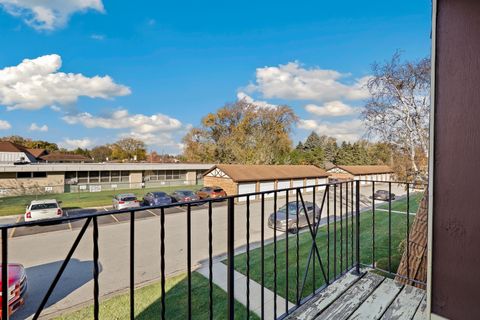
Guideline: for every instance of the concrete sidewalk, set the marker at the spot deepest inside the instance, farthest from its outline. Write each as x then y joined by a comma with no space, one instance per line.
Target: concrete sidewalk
240,292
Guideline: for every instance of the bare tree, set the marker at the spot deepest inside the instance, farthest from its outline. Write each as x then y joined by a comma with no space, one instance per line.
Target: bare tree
398,110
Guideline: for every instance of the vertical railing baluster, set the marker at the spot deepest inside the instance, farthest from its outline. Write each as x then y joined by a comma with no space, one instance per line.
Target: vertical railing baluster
189,260
347,226
132,265
210,260
341,228
389,227
275,255
408,232
248,257
286,254
352,216
162,260
262,236
327,190
230,257
96,270
297,275
357,200
5,279
313,260
335,231
373,224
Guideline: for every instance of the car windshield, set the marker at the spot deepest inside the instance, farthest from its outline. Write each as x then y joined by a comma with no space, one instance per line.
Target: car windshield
42,206
159,194
218,190
128,198
186,193
292,209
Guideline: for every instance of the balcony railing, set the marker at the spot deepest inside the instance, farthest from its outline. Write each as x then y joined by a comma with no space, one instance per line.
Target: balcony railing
337,241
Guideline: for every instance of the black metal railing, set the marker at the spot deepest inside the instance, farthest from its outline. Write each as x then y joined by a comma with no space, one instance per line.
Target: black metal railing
335,240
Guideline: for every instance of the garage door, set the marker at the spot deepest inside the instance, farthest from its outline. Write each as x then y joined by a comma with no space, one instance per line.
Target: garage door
322,181
297,183
311,182
283,184
267,186
246,188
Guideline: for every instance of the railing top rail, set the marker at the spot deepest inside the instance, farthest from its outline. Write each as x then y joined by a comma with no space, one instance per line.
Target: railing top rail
81,216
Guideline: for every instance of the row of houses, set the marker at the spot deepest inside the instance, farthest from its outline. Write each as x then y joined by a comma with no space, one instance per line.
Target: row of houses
12,153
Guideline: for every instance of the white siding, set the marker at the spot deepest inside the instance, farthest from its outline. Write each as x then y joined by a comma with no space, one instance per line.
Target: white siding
267,186
310,182
246,188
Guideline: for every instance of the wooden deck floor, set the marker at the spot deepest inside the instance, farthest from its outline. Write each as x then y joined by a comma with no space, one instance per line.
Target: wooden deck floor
368,296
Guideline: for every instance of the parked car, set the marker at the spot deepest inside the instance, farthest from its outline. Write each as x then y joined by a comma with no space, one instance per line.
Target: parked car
125,201
383,195
184,196
17,287
43,209
211,192
156,199
290,223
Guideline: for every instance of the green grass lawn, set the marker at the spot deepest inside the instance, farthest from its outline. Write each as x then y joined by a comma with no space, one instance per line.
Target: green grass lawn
401,205
148,303
381,219
16,205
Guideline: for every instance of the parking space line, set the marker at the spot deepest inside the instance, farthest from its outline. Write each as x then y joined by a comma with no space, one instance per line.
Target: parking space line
13,230
154,214
112,215
69,224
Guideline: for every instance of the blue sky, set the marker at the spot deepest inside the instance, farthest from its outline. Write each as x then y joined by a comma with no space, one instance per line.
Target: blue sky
99,70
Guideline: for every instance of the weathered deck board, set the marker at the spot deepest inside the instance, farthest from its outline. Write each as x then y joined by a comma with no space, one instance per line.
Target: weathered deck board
405,305
323,299
421,313
349,301
376,304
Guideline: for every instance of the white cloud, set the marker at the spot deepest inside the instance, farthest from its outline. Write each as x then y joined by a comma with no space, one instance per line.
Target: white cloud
350,130
292,81
48,14
5,125
262,104
121,119
331,109
56,108
36,83
76,143
35,127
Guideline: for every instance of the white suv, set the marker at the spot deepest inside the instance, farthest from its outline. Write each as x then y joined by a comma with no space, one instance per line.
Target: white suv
43,209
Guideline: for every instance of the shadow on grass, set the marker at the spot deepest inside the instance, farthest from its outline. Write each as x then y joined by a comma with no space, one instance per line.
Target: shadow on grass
148,302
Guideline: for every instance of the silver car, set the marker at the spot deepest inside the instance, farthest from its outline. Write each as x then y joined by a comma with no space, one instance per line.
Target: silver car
291,224
125,201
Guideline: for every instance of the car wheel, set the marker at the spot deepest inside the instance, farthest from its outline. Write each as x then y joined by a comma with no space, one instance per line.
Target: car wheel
293,229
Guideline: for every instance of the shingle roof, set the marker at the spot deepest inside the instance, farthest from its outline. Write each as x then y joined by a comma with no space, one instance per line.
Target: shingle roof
7,146
360,170
239,172
56,156
36,152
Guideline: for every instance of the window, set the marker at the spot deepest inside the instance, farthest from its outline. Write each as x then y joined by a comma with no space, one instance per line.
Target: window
94,176
39,174
125,176
104,176
71,177
115,176
24,175
161,174
82,176
168,175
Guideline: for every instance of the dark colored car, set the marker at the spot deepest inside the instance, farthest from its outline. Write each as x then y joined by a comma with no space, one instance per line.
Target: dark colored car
211,192
383,195
184,196
156,199
291,224
17,287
